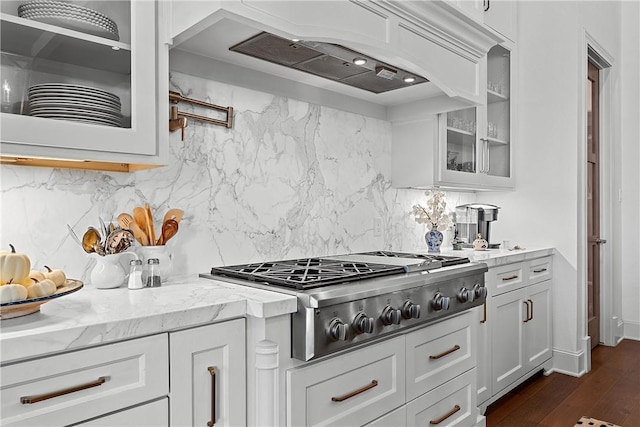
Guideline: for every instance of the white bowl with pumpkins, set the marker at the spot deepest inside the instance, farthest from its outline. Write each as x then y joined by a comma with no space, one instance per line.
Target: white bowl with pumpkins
23,290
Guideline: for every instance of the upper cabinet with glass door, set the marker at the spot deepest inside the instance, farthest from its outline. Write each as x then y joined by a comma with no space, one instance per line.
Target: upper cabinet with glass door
79,84
475,143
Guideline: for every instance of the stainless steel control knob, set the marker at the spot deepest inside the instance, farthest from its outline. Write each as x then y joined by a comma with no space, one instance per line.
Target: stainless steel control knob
466,295
410,310
390,316
440,302
479,291
338,330
363,324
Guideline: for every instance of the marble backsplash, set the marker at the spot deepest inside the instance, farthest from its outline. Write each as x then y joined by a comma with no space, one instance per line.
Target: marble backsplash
291,179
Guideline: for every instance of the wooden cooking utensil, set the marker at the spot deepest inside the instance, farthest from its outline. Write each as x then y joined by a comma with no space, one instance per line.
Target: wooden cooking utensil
140,217
149,218
175,214
126,221
169,229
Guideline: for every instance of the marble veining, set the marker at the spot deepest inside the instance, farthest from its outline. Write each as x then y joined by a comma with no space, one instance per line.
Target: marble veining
291,179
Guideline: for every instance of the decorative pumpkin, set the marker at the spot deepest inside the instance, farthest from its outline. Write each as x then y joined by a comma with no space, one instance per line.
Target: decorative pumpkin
12,292
36,274
58,276
40,288
14,266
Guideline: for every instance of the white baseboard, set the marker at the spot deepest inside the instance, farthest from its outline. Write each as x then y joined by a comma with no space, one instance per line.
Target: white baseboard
632,330
572,363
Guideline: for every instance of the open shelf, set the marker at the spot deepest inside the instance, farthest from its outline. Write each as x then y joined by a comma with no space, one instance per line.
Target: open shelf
460,131
493,97
39,40
497,141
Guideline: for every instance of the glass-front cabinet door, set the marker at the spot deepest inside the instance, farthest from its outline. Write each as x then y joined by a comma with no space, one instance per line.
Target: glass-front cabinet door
475,149
79,80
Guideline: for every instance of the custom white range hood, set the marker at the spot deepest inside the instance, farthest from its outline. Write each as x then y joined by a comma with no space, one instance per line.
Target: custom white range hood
431,40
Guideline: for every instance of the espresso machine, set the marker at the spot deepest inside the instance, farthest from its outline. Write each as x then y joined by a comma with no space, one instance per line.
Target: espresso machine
474,219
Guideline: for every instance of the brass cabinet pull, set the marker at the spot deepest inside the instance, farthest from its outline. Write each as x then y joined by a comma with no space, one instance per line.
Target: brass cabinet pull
444,353
526,303
356,392
39,398
540,270
504,279
484,313
212,371
531,302
445,416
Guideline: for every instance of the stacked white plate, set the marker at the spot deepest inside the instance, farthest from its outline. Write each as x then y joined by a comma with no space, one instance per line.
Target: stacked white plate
75,102
71,16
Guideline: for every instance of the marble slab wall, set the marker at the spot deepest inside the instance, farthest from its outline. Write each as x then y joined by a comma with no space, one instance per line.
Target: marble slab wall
291,179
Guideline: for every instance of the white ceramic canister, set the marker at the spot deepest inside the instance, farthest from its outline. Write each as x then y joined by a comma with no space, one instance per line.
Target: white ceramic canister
162,254
110,271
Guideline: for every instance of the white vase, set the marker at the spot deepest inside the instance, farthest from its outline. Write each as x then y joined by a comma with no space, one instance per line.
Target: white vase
111,271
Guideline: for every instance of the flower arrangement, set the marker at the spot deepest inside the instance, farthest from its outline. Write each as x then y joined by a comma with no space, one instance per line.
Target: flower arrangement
434,214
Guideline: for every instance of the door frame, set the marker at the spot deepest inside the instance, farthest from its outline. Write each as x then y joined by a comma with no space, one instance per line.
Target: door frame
592,50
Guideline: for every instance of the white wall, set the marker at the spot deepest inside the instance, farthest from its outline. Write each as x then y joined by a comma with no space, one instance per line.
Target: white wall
547,206
629,275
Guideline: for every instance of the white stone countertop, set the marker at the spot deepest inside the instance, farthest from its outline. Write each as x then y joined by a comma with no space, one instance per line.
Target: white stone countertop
93,316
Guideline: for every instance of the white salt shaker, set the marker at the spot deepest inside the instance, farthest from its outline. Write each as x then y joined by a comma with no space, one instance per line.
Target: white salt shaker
135,274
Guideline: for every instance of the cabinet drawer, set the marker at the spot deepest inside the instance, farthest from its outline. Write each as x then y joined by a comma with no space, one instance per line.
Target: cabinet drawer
397,418
506,278
150,414
438,353
107,378
451,404
539,270
351,389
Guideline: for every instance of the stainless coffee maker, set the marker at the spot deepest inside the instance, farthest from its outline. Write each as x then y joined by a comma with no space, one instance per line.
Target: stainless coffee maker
475,218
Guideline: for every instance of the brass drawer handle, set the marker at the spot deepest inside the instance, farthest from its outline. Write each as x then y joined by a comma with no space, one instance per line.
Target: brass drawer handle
531,302
356,392
504,279
444,353
484,313
540,270
445,416
212,371
526,303
39,398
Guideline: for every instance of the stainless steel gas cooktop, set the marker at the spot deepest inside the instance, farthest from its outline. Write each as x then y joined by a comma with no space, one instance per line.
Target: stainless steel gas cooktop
346,300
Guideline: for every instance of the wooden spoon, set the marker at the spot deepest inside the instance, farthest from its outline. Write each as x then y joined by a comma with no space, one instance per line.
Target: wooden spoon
140,217
150,228
126,221
169,229
175,214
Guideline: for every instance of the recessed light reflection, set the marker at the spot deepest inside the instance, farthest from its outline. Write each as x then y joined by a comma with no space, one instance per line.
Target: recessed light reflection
359,61
409,79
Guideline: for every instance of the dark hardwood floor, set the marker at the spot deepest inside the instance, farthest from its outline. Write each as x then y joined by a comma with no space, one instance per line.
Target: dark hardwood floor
610,392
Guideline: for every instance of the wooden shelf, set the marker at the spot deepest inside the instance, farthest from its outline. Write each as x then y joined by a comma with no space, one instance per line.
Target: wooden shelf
39,40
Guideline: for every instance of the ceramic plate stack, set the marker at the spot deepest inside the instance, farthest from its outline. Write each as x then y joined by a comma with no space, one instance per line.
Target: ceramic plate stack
74,102
70,16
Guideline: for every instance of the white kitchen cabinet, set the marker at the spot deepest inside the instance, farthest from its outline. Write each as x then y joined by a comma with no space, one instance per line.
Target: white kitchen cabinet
34,52
352,389
470,148
451,404
397,418
516,333
501,15
72,387
484,354
208,374
150,414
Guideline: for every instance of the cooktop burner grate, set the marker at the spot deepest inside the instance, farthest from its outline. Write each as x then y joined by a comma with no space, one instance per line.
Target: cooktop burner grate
307,273
445,260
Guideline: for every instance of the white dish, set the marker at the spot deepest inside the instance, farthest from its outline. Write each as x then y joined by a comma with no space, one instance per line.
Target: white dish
78,119
71,97
67,87
53,103
76,112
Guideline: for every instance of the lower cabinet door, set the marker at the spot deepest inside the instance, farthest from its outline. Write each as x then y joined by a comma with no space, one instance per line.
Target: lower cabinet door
538,329
451,404
397,418
207,375
507,314
154,414
348,390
